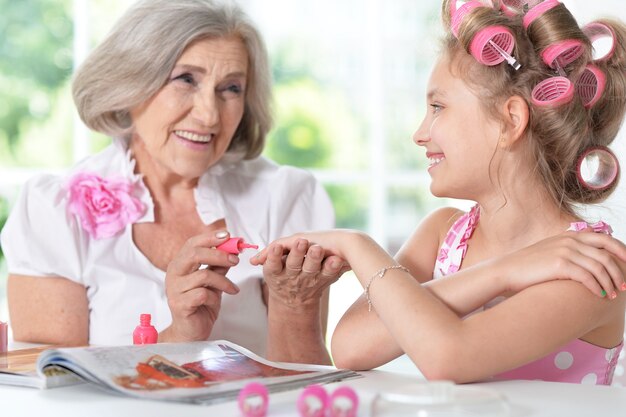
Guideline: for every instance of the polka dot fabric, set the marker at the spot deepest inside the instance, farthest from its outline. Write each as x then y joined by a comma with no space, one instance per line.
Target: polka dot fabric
578,362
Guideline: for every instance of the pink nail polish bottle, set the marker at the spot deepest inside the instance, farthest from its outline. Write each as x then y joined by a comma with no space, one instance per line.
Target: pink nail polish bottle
4,338
145,333
235,245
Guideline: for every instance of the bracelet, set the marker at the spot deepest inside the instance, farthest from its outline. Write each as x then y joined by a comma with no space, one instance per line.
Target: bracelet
380,274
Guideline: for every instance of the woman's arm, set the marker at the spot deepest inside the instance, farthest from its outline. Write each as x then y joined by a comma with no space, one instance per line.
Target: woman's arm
298,286
50,310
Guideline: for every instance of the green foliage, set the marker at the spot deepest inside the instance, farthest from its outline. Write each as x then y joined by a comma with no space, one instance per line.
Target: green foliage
35,61
350,203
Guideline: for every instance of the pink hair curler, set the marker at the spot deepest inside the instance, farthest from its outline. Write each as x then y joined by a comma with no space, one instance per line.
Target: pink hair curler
458,14
4,337
514,7
538,10
561,54
343,402
602,40
597,168
590,85
492,45
253,400
313,401
552,92
235,245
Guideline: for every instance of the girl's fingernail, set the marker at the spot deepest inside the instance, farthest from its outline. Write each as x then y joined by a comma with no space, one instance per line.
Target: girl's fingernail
623,287
613,295
603,293
221,234
233,259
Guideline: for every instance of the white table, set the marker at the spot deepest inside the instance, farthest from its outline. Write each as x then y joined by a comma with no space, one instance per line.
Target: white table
527,398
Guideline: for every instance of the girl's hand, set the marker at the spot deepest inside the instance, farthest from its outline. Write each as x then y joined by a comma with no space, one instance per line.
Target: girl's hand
298,274
194,283
593,259
330,241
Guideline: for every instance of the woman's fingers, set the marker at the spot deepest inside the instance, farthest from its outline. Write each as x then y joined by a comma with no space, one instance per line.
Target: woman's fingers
312,263
208,279
296,257
200,250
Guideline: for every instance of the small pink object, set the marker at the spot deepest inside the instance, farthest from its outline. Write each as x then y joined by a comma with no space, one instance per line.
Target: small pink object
483,49
459,14
514,7
343,402
235,245
313,401
537,11
4,337
597,168
590,85
253,400
145,333
104,206
562,53
598,33
553,91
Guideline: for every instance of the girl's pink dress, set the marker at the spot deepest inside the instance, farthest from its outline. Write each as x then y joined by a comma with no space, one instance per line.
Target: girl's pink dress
578,361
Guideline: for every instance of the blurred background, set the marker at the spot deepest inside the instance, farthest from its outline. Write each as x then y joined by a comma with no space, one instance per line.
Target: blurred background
349,81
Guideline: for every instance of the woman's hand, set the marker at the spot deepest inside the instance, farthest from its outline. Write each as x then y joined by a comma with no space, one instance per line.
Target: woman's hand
593,259
194,283
300,276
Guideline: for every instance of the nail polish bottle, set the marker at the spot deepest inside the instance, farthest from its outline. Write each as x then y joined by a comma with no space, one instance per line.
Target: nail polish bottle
4,337
235,245
145,333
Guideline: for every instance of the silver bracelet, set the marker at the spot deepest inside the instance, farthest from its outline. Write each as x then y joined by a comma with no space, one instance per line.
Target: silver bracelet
380,274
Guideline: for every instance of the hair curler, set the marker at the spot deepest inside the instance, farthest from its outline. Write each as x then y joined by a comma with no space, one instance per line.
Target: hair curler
552,92
561,54
343,402
602,40
536,11
590,85
597,168
491,45
253,400
457,14
313,401
514,7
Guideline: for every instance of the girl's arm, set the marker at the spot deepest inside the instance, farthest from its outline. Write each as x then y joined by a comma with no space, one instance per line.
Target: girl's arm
364,329
443,346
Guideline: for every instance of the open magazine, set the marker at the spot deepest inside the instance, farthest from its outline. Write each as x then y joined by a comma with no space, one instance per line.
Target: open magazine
197,372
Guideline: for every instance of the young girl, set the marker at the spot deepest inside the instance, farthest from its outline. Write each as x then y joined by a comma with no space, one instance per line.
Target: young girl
460,297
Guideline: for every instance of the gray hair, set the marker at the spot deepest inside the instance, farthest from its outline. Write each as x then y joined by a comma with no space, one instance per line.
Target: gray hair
136,59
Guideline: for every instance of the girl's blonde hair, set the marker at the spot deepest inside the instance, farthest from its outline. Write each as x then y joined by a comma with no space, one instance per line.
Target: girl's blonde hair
135,60
557,136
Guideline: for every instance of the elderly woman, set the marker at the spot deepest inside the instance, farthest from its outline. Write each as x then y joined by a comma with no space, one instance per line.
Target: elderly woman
183,88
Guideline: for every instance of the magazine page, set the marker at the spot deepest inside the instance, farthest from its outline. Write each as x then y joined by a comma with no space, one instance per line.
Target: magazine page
197,372
18,367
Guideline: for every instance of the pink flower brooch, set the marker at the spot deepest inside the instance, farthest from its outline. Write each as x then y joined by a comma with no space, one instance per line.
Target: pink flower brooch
104,206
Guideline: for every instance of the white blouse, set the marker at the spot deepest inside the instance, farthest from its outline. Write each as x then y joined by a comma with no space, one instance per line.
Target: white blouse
259,200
